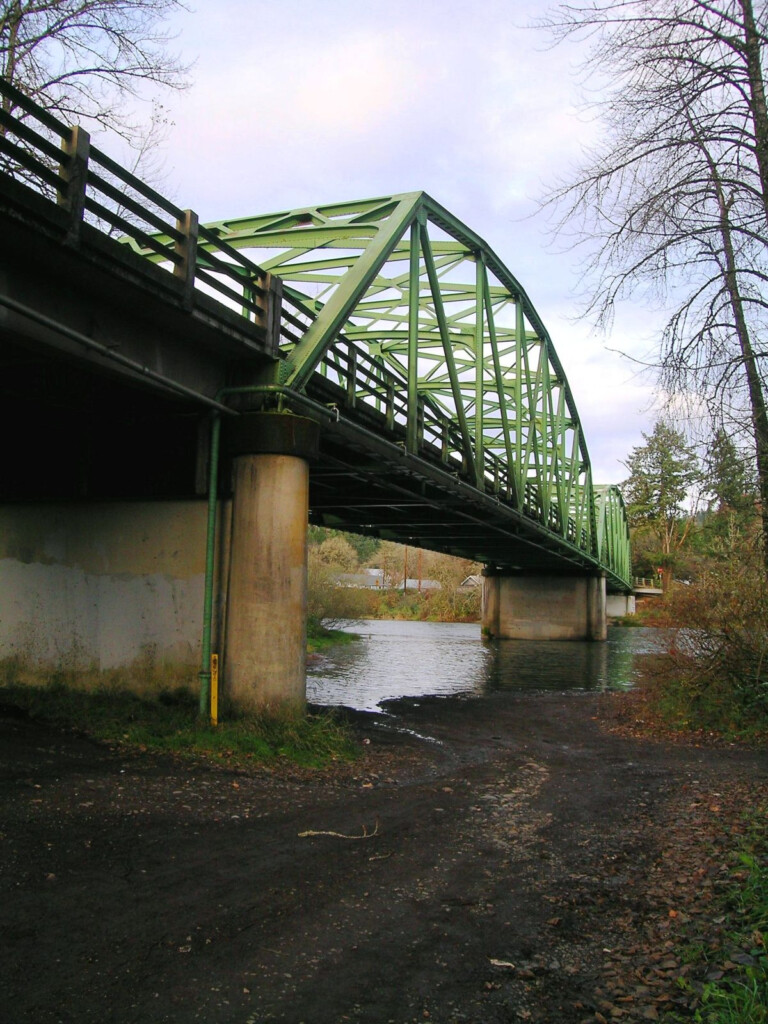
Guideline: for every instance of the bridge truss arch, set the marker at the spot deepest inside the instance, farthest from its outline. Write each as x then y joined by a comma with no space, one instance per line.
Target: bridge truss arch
393,305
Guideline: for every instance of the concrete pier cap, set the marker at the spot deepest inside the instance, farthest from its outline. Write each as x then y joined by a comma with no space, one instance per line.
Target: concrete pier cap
523,606
265,635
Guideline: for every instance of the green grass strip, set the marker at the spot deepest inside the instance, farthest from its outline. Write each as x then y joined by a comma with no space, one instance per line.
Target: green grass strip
169,723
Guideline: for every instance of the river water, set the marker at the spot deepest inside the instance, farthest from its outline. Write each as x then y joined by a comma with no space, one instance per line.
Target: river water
415,659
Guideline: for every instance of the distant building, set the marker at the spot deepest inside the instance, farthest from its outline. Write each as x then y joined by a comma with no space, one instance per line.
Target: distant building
414,584
368,579
373,579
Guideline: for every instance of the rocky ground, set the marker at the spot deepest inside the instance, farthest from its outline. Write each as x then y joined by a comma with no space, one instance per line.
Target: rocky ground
498,859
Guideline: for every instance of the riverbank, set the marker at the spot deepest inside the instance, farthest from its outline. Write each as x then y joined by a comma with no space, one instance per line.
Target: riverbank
484,860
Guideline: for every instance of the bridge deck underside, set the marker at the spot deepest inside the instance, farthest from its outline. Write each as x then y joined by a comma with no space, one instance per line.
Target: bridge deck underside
372,487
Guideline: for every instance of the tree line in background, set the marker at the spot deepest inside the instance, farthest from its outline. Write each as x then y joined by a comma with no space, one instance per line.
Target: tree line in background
696,516
689,510
334,556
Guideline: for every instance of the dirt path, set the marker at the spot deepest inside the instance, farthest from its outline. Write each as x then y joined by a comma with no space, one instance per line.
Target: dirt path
506,869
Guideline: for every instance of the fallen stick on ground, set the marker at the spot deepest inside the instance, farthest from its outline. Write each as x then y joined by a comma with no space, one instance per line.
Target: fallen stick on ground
341,835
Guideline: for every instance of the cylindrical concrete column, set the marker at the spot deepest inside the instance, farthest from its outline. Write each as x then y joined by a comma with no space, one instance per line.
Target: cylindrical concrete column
265,654
266,629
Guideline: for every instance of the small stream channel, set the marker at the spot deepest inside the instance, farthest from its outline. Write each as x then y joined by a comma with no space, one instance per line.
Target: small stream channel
394,659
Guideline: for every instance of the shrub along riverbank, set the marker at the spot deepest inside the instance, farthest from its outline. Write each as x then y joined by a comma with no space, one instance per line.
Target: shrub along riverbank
713,678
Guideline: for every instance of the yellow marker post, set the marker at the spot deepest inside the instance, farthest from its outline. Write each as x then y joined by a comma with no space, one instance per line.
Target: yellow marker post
214,689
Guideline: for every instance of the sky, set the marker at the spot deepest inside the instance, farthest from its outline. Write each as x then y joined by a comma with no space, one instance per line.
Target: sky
298,102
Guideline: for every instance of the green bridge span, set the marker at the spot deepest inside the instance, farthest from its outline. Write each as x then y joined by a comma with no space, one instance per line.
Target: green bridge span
380,345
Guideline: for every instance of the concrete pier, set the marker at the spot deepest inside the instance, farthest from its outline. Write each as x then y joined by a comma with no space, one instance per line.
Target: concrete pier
265,634
619,605
544,607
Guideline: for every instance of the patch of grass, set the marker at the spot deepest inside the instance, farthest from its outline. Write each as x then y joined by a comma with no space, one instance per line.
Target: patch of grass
319,638
736,989
169,723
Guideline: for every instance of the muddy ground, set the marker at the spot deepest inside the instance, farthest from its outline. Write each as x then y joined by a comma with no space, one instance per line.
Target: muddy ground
521,863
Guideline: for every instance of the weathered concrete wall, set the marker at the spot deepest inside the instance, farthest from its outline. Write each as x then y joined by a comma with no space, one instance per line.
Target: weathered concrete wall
111,592
544,607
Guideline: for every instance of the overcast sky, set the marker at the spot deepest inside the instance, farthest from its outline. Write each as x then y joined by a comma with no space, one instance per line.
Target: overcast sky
296,102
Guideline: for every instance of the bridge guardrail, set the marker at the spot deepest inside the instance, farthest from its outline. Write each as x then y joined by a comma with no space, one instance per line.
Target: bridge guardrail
93,188
647,583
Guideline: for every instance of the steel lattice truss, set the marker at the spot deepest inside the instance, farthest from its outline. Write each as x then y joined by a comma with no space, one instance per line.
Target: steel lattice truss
410,312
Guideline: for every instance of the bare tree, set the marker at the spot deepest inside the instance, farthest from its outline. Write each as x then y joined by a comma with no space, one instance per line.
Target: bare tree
674,200
92,61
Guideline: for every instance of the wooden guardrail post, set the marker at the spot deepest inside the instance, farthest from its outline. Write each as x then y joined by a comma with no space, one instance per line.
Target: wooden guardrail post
352,377
273,300
186,251
73,171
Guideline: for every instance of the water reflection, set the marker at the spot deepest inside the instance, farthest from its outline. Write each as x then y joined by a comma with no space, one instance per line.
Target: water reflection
413,659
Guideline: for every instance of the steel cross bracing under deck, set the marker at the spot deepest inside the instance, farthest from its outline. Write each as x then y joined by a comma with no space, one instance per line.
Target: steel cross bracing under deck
456,428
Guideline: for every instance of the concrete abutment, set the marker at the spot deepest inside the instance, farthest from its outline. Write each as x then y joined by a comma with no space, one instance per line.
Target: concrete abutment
102,593
112,592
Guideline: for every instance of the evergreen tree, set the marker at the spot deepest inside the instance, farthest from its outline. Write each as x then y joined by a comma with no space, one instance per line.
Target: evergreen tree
662,474
730,484
729,480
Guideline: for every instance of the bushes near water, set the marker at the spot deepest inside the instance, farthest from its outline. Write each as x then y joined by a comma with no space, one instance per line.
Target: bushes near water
715,675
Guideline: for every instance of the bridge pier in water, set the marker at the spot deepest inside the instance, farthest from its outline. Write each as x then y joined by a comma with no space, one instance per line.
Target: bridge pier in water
519,607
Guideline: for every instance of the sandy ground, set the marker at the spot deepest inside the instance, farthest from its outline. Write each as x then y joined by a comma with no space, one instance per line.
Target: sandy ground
505,858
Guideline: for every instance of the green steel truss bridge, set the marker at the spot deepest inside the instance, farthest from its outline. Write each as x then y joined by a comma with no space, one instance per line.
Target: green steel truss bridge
447,418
